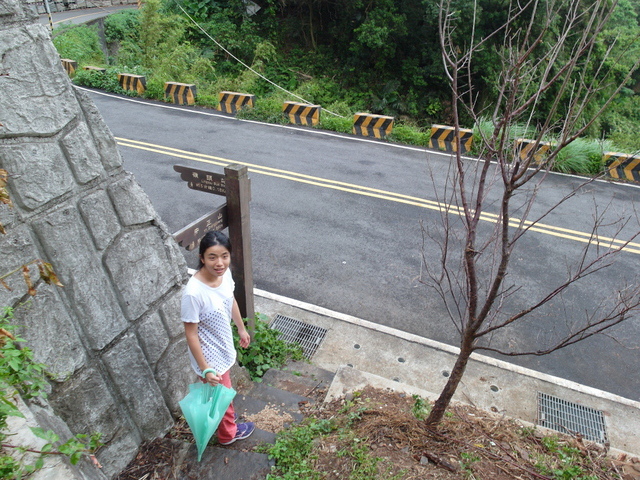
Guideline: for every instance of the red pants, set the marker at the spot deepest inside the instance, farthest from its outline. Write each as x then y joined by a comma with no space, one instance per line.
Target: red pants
227,428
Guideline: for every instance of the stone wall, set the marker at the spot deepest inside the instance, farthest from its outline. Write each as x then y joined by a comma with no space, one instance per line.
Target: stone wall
112,337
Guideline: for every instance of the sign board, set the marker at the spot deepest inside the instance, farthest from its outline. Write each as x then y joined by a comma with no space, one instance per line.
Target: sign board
189,237
234,215
202,180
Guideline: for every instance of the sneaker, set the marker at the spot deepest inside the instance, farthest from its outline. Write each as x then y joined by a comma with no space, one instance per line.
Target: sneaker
244,430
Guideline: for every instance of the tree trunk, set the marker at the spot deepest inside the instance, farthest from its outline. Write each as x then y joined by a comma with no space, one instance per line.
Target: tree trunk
441,404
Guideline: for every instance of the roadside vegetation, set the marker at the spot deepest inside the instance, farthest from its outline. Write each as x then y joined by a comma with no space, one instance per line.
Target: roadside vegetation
379,56
377,435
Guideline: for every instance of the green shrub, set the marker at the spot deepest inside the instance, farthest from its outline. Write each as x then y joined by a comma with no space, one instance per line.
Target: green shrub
107,80
293,449
155,89
122,26
207,100
268,109
336,124
410,135
79,43
266,349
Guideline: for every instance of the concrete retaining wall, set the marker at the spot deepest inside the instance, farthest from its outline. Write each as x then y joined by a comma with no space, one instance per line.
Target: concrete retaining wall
488,383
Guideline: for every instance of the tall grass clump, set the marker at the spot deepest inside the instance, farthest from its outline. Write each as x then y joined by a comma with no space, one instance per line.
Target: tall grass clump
582,156
484,129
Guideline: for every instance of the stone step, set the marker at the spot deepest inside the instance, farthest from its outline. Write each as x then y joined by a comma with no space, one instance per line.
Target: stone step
300,378
225,463
272,404
263,396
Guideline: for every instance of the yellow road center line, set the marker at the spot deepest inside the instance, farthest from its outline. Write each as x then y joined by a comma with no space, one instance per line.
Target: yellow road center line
552,230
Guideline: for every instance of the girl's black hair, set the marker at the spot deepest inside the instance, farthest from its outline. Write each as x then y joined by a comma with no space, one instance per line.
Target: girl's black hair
211,239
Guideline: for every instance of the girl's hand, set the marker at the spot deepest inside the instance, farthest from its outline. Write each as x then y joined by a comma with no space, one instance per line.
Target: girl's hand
245,338
212,379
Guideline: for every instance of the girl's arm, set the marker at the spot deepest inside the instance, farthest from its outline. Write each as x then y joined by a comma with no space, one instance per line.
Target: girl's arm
193,341
245,339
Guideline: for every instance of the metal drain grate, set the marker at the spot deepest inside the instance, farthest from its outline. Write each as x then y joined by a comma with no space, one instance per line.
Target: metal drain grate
294,331
572,418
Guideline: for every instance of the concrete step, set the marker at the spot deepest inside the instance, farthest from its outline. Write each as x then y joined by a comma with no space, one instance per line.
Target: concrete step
262,396
224,463
301,378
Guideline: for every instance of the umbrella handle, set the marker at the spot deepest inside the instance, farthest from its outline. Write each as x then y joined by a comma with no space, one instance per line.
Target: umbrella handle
211,391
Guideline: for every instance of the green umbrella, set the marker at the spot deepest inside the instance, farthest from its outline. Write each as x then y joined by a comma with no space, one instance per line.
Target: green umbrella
203,408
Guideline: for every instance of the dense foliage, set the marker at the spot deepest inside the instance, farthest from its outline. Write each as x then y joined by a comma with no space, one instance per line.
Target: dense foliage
381,56
266,350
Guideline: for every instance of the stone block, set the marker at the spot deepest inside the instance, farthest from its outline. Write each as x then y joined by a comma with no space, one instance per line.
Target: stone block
11,8
37,97
131,203
16,249
49,332
174,374
171,314
82,154
116,455
176,257
87,287
153,338
105,142
87,405
100,217
140,270
38,172
133,378
8,215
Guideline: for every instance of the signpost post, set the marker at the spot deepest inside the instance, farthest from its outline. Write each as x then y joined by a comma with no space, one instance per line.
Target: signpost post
235,186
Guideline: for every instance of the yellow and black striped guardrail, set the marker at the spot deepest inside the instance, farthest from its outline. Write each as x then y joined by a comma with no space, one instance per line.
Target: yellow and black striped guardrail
132,82
70,66
231,102
623,166
443,138
302,113
369,125
525,149
180,93
94,69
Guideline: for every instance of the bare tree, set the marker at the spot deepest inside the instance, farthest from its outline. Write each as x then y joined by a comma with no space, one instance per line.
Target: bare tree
554,68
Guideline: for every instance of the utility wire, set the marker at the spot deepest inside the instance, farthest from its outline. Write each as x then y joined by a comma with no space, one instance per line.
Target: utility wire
245,65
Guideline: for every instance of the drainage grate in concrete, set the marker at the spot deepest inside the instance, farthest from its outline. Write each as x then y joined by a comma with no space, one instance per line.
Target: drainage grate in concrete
294,331
572,418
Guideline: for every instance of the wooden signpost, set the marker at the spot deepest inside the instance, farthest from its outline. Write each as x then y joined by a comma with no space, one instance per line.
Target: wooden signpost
235,186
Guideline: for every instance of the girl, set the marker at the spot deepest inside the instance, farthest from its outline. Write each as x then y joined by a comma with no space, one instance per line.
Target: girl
208,306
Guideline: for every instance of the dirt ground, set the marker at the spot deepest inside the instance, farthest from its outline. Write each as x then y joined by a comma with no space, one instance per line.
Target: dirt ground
468,444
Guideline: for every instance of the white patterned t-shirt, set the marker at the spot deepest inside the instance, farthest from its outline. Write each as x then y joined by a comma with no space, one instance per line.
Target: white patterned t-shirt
210,308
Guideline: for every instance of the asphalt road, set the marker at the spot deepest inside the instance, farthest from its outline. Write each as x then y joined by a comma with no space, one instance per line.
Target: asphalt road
336,222
80,15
